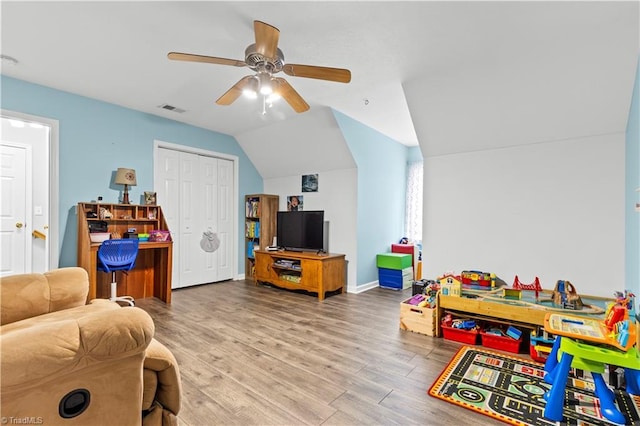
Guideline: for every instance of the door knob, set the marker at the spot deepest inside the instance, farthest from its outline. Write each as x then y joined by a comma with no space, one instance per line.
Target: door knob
19,225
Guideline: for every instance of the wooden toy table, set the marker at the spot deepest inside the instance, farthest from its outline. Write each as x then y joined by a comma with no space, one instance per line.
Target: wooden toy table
588,345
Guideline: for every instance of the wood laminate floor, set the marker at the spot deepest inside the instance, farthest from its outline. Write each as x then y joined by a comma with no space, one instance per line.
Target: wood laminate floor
259,355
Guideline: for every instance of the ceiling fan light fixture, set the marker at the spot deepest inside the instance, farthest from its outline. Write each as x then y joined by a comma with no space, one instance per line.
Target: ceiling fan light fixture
265,83
273,97
251,94
251,91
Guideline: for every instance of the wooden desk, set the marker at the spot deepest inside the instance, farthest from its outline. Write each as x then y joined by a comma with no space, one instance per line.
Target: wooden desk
151,276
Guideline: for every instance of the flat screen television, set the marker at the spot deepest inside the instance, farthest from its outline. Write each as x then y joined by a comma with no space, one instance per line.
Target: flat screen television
301,230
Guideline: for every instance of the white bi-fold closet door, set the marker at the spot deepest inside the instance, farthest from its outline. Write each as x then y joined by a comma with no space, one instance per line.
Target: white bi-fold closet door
196,195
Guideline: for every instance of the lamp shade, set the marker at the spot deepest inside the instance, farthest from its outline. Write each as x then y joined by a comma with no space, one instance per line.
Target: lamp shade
126,177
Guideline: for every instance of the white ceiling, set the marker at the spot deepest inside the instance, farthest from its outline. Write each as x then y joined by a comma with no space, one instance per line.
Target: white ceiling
116,51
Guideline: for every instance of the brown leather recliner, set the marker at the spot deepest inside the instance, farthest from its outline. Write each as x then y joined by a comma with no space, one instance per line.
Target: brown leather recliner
67,362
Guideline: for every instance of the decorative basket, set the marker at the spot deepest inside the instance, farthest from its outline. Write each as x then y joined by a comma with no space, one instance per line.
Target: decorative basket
159,235
98,237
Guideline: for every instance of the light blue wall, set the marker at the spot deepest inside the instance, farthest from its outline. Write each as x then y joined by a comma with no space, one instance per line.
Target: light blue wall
632,182
414,154
382,167
97,137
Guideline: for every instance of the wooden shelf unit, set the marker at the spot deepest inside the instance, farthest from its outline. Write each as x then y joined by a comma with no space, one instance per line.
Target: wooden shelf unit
151,276
261,212
504,311
302,271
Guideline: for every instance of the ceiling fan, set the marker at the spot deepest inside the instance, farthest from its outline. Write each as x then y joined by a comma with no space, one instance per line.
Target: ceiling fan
266,59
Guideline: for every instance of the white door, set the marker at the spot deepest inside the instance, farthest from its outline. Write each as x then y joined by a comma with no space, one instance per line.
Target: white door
14,229
39,137
166,185
196,200
225,219
208,194
189,258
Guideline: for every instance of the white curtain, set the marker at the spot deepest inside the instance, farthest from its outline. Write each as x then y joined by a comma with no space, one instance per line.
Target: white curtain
413,220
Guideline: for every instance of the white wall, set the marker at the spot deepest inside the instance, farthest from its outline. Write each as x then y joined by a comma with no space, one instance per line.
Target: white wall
309,141
553,210
337,196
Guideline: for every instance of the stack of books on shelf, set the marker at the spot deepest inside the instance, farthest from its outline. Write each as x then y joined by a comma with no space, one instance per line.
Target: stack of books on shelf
251,248
252,229
286,263
291,278
252,208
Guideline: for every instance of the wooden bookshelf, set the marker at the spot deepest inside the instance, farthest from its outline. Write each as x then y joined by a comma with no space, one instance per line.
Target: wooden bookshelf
261,212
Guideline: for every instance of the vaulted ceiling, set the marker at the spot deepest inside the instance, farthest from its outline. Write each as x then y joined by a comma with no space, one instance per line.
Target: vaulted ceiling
452,75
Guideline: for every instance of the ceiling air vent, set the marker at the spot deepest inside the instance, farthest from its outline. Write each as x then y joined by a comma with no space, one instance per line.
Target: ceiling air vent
171,108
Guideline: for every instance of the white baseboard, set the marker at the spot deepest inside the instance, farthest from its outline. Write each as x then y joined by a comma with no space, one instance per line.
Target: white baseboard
364,287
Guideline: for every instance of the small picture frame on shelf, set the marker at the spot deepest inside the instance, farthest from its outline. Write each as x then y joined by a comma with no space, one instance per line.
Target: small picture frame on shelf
294,203
149,198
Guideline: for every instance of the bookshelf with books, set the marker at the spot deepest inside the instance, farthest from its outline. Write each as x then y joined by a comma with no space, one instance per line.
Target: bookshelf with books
261,211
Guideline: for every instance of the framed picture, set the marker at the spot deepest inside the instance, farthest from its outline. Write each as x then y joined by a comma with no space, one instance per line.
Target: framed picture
294,203
310,183
149,198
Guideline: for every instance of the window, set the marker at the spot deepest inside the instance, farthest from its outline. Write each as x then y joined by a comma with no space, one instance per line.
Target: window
413,221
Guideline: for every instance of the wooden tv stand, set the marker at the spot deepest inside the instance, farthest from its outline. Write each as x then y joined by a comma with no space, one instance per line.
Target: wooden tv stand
301,271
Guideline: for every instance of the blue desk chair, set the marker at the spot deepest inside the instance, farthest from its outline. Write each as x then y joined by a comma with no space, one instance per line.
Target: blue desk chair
117,255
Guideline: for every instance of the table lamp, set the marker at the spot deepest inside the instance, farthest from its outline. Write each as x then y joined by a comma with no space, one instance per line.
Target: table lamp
125,177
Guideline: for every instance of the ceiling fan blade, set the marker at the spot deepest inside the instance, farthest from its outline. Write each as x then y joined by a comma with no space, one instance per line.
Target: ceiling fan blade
266,39
177,56
340,75
234,93
292,97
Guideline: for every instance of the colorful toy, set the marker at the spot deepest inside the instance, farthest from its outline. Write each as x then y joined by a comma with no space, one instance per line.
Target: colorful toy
512,293
615,314
541,344
565,295
416,299
626,299
451,285
464,324
478,279
534,286
514,333
587,344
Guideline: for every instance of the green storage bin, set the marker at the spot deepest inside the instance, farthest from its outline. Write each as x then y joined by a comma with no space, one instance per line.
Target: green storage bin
393,260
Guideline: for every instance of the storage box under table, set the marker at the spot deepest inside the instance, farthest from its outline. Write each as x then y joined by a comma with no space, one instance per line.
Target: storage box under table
397,279
418,319
503,343
393,260
460,335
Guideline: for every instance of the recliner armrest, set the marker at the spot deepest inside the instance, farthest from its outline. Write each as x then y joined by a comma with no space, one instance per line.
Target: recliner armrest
48,351
159,360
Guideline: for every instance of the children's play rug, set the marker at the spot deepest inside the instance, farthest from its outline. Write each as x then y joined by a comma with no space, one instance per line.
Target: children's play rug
511,389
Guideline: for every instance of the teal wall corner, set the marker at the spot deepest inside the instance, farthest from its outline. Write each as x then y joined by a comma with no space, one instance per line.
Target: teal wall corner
382,168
